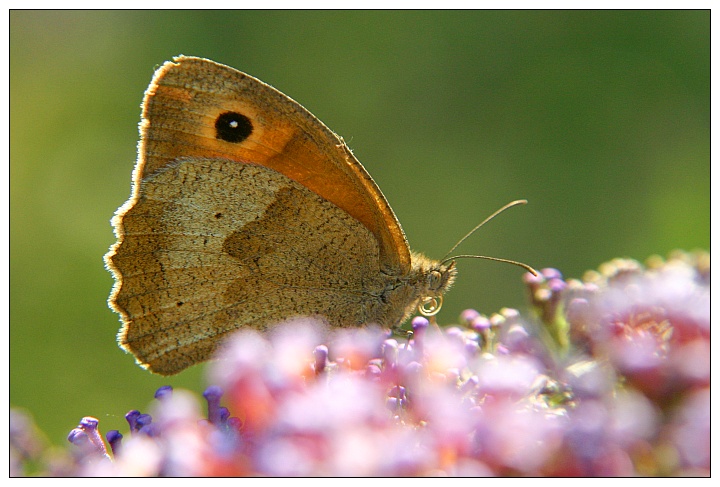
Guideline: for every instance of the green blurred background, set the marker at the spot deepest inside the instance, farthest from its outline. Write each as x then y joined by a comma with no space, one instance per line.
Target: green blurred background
600,119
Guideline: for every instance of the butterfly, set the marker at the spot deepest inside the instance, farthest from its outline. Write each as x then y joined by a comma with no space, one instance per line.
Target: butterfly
247,211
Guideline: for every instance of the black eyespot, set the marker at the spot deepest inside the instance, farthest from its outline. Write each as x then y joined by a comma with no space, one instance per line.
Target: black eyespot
233,127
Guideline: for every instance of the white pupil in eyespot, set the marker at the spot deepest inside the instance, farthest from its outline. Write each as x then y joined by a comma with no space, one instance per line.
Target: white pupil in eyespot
234,124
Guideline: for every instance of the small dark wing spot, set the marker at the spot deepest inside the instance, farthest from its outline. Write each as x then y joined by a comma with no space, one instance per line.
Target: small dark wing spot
233,127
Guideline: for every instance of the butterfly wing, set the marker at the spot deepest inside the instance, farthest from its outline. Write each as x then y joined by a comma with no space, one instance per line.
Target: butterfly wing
183,117
246,210
212,245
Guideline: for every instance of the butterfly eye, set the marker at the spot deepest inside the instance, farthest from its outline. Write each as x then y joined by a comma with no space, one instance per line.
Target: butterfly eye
233,127
434,280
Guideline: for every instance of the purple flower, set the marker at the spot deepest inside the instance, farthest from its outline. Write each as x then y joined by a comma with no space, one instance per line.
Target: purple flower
653,325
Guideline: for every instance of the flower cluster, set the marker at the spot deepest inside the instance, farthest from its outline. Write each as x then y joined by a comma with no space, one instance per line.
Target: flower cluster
607,376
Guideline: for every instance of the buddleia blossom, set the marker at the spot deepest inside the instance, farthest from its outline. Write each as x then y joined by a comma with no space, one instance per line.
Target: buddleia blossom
605,376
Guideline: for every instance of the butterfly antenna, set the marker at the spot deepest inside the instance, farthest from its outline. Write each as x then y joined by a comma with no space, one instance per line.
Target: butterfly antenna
509,205
497,259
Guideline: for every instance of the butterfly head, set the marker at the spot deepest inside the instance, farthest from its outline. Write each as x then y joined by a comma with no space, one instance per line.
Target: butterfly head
432,279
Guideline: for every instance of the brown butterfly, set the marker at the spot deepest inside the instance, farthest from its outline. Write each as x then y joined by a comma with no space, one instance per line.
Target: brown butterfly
247,211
